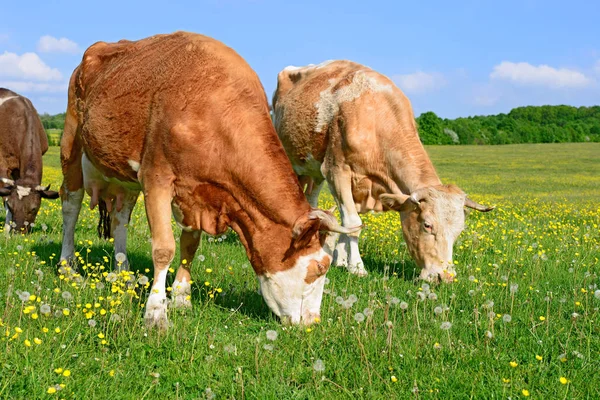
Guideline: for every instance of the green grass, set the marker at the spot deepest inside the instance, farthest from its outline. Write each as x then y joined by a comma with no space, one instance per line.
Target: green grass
54,136
543,237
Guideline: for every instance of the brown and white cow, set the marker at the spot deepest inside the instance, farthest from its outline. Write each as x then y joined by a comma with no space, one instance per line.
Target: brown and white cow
351,126
184,119
23,141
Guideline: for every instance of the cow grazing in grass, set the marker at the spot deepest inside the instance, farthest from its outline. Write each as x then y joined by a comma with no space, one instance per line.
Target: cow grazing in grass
348,125
23,141
184,119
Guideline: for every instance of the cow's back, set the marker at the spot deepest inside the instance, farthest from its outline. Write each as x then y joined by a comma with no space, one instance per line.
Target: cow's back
135,96
23,139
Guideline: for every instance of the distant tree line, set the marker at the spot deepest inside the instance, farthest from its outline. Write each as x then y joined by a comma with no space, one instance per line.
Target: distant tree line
532,124
53,121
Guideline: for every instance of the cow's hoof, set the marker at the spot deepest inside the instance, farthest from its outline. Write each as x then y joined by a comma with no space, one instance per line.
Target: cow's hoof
181,295
156,312
358,269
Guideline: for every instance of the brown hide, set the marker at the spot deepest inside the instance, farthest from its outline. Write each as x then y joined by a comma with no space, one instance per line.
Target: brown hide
194,116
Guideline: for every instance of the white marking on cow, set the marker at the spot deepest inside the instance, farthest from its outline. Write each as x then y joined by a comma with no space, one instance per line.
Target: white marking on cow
289,296
71,205
23,191
7,181
293,68
156,306
134,165
180,297
4,100
329,101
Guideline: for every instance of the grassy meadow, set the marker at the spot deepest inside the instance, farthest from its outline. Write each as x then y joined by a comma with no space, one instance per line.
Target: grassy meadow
522,320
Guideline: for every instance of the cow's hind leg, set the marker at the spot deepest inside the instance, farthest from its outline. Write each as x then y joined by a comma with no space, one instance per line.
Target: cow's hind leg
158,209
346,253
119,220
71,191
182,290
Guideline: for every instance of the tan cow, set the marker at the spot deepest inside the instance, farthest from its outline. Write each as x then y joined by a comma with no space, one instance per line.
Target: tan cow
23,141
184,119
351,126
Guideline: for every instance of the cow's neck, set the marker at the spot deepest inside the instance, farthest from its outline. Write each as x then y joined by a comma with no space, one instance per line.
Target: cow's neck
416,171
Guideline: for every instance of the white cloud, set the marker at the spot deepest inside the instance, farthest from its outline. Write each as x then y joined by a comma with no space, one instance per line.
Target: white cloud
420,82
50,44
33,87
27,66
543,75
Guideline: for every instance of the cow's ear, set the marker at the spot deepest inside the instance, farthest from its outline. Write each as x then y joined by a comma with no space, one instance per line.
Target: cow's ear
5,191
49,194
304,229
398,202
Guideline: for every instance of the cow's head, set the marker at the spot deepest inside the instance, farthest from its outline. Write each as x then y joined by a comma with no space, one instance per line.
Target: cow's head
432,220
23,202
295,294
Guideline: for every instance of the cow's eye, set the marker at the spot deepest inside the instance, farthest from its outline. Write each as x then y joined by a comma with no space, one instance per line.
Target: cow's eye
427,225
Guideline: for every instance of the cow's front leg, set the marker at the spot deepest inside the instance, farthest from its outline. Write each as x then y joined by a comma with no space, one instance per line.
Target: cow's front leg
158,209
346,252
182,289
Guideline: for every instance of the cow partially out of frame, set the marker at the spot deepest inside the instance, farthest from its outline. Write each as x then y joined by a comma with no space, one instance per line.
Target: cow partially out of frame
23,142
184,119
346,124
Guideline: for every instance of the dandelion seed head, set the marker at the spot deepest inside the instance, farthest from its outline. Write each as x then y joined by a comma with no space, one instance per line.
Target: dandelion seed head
45,309
438,310
403,305
446,325
506,318
268,347
319,365
120,257
432,296
368,312
272,335
359,317
394,301
92,323
23,296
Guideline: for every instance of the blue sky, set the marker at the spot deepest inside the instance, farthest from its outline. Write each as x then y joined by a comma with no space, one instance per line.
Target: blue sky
453,58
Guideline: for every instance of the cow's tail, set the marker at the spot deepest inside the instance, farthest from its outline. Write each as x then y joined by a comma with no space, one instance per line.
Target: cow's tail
104,221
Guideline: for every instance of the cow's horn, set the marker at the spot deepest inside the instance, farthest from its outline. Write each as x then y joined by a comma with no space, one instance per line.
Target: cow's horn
476,206
419,195
329,223
8,182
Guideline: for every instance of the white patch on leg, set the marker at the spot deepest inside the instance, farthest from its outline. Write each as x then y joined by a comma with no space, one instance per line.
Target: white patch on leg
355,262
8,219
181,294
156,306
120,230
289,296
340,255
70,213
